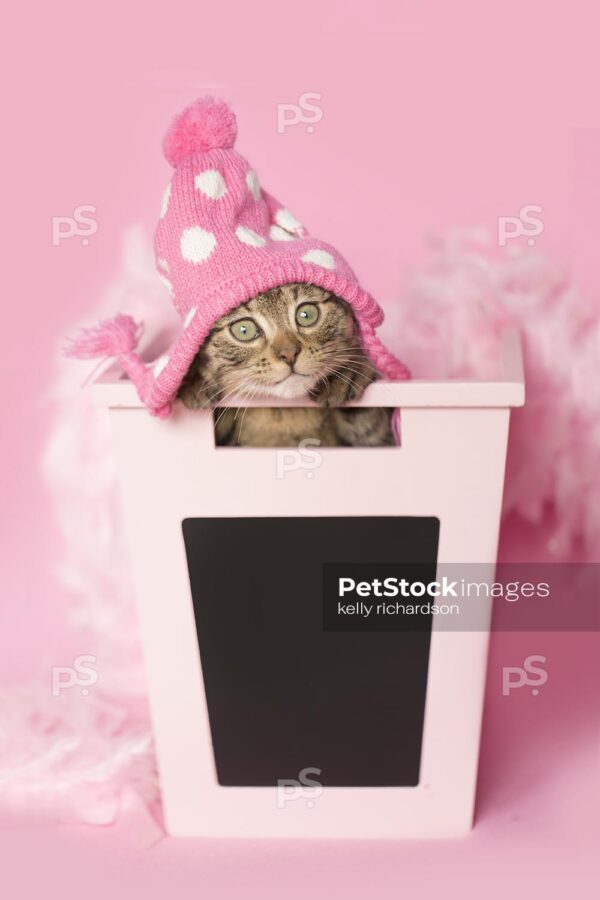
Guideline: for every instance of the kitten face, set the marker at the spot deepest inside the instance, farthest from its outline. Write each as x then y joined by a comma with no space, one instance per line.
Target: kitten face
294,341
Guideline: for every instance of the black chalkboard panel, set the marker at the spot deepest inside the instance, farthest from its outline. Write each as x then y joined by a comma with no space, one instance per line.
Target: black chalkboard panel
283,694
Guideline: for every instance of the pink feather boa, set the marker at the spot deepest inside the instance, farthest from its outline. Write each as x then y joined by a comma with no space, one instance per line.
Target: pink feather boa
449,322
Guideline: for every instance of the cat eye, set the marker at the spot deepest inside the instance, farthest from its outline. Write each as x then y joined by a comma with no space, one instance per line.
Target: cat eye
244,330
307,314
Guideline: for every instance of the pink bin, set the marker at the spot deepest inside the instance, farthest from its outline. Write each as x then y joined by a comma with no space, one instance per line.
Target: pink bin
270,720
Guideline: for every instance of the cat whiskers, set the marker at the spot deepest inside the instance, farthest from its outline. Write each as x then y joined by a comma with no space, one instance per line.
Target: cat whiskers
237,388
350,366
348,362
252,396
333,370
219,394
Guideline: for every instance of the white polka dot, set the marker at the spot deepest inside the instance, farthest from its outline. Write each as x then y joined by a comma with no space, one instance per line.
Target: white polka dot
320,258
211,183
284,218
280,234
166,283
190,315
247,236
160,365
165,201
163,264
197,244
253,184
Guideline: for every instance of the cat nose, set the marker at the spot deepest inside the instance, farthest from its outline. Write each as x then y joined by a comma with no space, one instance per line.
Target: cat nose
289,352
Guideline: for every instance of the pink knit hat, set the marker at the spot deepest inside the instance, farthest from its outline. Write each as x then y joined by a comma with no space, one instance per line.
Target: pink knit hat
222,239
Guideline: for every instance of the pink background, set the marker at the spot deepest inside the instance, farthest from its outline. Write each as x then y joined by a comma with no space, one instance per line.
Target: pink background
489,107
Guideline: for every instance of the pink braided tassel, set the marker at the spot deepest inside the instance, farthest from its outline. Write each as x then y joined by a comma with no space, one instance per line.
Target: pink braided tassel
385,362
112,337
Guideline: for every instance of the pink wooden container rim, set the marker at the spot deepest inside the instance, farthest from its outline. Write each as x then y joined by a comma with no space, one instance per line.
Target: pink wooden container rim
114,390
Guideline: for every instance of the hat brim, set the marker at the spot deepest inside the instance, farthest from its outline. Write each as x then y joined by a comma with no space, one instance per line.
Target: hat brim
169,371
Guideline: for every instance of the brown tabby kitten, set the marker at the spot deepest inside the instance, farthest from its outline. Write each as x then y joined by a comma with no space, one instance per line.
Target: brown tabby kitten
291,342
